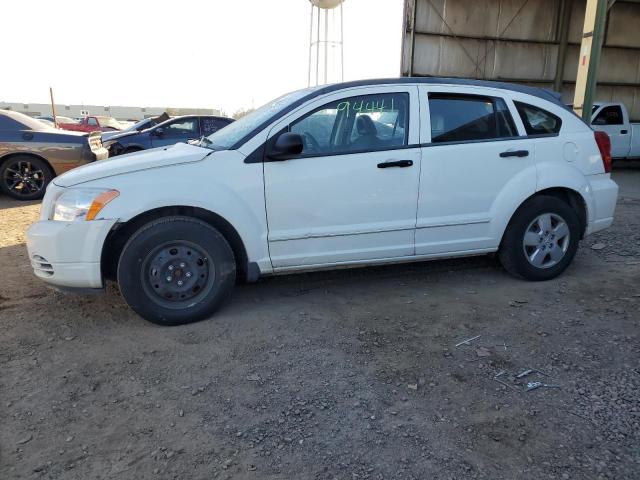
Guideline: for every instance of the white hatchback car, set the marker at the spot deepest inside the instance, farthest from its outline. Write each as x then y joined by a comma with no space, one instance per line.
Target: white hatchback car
357,173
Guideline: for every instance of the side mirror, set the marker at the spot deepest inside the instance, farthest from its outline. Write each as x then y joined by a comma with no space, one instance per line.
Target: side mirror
158,132
286,146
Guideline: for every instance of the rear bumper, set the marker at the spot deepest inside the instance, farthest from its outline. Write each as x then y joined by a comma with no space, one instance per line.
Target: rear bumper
604,193
68,254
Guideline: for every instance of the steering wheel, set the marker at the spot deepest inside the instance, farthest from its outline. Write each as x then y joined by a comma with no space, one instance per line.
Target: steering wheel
310,142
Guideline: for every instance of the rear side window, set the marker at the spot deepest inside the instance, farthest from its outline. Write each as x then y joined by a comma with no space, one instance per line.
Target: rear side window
459,118
538,121
611,115
7,123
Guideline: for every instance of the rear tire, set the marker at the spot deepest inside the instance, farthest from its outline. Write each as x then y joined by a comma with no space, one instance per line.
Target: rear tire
541,239
176,270
24,177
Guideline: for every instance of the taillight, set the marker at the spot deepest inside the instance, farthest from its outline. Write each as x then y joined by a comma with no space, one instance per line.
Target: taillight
604,145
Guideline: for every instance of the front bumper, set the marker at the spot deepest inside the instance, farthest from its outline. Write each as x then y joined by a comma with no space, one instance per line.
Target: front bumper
67,254
604,193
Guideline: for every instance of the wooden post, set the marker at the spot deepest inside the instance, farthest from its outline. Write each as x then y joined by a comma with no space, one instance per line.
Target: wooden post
53,108
593,32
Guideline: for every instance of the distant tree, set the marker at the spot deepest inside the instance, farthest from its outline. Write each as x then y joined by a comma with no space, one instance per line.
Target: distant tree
242,112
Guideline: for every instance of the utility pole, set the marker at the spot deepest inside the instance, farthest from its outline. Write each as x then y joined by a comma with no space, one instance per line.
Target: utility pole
53,108
595,17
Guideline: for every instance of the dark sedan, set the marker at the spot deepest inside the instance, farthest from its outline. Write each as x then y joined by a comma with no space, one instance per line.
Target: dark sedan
170,132
32,154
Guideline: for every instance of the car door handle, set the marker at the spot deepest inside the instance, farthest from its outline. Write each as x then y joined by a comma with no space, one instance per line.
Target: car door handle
397,163
624,132
515,153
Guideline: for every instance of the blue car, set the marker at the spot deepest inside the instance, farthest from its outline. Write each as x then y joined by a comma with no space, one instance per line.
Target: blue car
169,132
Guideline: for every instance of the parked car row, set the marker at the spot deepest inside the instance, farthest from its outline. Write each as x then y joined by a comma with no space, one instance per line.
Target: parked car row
350,174
32,153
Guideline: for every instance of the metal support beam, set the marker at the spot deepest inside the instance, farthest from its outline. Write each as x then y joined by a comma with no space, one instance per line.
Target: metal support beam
593,33
566,6
413,36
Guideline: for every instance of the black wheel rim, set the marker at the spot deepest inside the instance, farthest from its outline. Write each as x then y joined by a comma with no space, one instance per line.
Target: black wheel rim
23,178
177,274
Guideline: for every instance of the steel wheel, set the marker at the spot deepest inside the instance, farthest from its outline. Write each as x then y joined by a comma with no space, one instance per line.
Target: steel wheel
176,270
177,274
23,178
546,240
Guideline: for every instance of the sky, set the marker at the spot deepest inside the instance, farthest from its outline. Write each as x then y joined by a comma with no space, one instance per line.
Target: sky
229,55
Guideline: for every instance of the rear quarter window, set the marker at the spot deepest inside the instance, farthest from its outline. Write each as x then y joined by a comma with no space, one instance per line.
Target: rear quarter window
538,121
7,123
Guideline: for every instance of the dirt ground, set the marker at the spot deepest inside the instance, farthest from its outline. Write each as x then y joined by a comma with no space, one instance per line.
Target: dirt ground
341,375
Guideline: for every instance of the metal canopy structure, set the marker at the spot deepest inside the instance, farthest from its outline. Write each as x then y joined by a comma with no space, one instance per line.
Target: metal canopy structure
535,42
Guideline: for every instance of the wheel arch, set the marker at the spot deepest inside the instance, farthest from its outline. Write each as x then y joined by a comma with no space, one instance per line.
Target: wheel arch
120,234
571,197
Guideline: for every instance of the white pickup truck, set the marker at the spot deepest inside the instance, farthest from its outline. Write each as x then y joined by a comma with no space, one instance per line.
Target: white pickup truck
613,119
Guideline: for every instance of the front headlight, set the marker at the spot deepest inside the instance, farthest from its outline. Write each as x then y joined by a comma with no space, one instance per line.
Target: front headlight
82,203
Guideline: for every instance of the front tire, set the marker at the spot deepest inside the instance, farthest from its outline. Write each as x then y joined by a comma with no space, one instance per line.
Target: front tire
176,270
24,177
541,239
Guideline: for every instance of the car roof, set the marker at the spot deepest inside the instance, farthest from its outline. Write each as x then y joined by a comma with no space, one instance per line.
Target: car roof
179,117
545,94
313,92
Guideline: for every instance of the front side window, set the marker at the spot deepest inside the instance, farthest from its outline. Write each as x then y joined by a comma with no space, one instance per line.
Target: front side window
182,128
611,115
538,121
355,124
461,118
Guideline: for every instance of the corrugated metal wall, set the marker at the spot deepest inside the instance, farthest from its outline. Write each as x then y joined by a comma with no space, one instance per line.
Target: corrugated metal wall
518,40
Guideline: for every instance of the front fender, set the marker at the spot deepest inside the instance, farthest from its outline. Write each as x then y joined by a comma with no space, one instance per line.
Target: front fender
224,185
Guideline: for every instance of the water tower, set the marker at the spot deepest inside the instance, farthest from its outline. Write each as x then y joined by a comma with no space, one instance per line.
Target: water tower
326,59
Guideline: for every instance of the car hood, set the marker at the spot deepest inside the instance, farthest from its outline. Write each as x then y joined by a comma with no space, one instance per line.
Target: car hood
133,162
119,134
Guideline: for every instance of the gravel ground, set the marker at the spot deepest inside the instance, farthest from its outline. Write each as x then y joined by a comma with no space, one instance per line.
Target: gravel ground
340,375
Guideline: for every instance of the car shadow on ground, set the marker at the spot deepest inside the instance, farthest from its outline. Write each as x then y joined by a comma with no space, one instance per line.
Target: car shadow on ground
8,202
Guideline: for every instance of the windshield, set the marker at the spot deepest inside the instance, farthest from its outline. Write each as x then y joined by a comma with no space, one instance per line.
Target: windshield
138,126
230,135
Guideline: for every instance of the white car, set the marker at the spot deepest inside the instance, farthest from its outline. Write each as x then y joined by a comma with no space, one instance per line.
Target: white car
357,173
